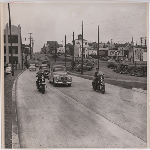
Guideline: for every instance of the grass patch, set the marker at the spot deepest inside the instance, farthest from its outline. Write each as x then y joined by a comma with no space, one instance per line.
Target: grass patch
8,85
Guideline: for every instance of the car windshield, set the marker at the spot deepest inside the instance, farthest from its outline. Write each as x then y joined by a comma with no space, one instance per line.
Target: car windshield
59,69
44,67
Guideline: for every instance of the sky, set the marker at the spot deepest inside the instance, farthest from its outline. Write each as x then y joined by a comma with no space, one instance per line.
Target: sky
51,21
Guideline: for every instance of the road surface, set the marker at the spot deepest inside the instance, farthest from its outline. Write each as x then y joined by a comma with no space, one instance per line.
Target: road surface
78,117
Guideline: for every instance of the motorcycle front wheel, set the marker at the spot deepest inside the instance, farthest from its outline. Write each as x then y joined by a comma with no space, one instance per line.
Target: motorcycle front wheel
43,89
103,89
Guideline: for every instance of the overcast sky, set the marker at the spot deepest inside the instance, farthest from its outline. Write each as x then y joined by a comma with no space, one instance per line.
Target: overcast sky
52,21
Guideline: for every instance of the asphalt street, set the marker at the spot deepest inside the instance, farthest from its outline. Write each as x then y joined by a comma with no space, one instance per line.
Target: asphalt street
78,117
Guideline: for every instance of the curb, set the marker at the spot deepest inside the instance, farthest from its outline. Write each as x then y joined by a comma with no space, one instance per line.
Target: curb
133,89
15,136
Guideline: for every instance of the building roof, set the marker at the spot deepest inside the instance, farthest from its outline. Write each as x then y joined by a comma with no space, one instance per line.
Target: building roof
60,45
81,40
139,46
52,43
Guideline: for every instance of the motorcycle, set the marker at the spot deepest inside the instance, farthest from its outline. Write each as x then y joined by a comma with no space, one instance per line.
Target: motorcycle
100,84
41,85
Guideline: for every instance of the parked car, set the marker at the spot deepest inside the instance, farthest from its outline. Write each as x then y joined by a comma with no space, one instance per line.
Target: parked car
90,65
8,70
32,67
111,63
85,67
68,55
59,54
55,56
59,75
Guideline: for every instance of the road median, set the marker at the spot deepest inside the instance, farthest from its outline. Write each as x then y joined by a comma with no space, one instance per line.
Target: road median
129,84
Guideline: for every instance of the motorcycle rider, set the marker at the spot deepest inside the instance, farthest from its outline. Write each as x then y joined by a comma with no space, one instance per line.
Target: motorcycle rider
96,75
39,75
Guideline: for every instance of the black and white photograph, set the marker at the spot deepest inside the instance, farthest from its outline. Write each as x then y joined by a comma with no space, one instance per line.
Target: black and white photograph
75,74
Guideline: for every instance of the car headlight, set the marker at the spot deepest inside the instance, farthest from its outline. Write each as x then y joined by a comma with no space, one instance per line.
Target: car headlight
57,77
70,78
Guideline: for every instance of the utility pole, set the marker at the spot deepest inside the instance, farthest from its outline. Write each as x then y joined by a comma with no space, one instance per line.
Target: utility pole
30,44
55,51
141,41
82,50
22,53
11,42
98,47
65,50
73,54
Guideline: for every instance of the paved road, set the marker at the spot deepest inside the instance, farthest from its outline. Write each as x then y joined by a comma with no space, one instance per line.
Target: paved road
78,117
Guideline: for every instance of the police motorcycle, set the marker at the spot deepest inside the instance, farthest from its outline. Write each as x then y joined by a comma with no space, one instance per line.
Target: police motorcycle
40,83
100,86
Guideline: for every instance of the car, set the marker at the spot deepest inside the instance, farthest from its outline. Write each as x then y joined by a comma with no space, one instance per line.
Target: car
85,67
8,70
111,63
59,54
46,62
68,55
37,65
32,67
59,76
90,65
45,69
55,56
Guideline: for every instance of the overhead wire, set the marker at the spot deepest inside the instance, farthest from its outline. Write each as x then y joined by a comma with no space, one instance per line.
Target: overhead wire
114,19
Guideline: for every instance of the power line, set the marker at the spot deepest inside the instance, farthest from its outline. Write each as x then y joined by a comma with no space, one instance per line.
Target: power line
116,29
114,19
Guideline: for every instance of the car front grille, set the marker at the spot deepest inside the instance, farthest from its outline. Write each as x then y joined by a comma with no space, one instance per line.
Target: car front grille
63,78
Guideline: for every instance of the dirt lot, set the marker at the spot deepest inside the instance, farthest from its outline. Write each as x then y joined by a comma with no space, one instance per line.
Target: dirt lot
8,84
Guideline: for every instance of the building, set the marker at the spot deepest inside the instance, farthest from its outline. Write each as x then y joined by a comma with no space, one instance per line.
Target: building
61,49
51,46
78,46
16,45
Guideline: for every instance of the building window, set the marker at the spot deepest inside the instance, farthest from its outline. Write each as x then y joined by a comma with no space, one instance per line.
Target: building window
4,49
15,59
14,49
85,43
4,38
14,38
4,58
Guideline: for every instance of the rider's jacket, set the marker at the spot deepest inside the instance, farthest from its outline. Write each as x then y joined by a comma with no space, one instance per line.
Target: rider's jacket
98,73
39,74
